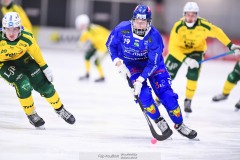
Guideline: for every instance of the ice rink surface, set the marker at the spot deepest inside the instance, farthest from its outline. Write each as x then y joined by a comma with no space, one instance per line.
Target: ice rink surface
109,121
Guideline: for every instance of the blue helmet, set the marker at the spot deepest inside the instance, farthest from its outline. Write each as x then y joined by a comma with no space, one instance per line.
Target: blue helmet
142,12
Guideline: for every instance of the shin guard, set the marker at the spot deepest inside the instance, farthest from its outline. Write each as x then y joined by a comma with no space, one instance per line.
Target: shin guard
27,105
54,101
228,86
191,89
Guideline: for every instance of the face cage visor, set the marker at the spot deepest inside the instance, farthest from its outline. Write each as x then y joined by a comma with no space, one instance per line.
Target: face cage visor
140,32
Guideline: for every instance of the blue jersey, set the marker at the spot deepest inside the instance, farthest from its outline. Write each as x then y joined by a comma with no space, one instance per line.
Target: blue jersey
142,53
143,57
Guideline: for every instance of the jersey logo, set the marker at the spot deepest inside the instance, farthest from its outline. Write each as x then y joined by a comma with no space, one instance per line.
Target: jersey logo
125,31
151,109
176,112
161,84
27,107
136,43
189,44
3,51
171,66
10,72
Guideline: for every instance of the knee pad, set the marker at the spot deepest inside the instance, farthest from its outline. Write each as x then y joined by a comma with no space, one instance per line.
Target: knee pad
96,62
90,53
193,74
87,57
169,99
23,86
233,77
46,90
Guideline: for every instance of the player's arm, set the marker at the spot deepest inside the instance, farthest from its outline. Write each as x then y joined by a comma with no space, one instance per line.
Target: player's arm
156,47
35,52
112,46
216,32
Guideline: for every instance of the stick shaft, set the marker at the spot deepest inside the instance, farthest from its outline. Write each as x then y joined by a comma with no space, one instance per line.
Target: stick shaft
215,57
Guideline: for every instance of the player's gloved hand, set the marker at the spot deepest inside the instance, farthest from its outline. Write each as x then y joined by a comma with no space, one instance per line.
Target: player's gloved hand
123,71
192,63
236,49
138,86
48,73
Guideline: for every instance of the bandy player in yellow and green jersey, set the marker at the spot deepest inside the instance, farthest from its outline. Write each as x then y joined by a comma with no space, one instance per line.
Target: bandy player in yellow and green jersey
92,42
232,79
23,66
187,44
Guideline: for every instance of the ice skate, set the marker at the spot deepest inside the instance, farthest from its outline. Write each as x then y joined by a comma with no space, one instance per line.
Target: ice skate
187,106
237,106
101,79
163,126
36,121
65,115
185,131
85,77
220,97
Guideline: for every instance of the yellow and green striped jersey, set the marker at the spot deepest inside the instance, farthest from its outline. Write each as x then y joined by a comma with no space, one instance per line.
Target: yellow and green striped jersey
97,35
184,40
26,43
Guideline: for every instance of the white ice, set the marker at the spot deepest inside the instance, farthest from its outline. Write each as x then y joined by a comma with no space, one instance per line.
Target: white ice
108,120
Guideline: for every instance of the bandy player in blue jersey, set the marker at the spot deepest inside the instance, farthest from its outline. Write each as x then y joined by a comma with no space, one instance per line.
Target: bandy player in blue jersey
136,48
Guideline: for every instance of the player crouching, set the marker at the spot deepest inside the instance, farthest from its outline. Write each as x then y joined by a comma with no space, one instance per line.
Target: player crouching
23,66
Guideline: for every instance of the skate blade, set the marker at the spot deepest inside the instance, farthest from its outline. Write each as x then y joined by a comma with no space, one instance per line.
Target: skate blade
184,139
195,139
83,79
40,128
169,139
